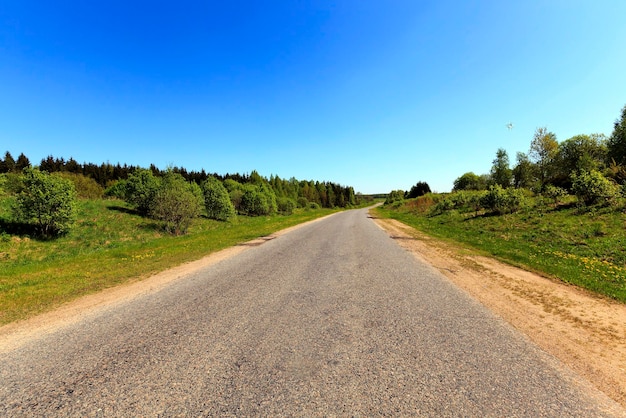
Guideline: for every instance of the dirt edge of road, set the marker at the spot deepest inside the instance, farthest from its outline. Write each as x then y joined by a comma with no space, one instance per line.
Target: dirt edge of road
15,334
584,331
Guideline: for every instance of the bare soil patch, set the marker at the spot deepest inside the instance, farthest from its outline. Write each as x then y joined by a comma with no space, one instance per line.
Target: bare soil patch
585,331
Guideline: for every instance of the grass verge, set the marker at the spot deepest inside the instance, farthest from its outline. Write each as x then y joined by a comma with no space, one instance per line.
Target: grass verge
111,245
587,249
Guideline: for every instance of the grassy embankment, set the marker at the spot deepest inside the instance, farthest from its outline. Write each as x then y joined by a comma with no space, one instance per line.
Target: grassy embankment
584,247
108,246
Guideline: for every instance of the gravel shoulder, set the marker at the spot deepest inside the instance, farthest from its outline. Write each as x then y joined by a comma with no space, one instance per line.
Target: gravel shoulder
584,331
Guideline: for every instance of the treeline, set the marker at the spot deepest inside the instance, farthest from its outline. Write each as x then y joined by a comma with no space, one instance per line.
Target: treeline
591,167
105,175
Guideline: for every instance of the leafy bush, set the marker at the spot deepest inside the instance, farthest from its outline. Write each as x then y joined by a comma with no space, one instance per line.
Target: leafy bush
592,188
175,203
302,202
394,196
141,188
86,187
46,202
314,206
216,200
554,193
117,189
499,200
286,206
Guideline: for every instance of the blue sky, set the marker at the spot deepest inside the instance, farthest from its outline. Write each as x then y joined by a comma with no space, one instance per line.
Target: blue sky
377,95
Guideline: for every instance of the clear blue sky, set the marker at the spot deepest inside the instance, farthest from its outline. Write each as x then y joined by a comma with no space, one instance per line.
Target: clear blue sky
373,94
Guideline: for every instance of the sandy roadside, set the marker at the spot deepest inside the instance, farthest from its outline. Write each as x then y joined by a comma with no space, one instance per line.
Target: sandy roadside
586,332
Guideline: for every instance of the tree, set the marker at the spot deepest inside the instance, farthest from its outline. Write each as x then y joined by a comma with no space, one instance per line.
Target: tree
216,200
591,187
543,150
617,142
141,188
46,202
523,172
420,189
22,162
395,196
175,203
577,154
501,174
469,181
8,164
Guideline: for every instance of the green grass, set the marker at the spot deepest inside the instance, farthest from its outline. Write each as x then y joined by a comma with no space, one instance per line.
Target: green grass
110,245
585,248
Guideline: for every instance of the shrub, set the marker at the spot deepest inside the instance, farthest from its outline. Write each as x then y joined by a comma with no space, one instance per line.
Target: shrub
117,189
46,202
592,188
286,206
216,200
302,202
394,196
86,187
314,206
141,188
499,200
258,200
175,203
555,193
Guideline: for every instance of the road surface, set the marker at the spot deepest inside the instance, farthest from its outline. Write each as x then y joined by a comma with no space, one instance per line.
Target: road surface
332,319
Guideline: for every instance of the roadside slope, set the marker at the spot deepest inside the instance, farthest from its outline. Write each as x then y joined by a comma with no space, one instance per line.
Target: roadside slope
585,331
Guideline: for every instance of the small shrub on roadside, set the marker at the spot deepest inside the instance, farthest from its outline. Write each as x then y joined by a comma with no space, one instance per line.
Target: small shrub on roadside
286,206
175,204
46,202
216,200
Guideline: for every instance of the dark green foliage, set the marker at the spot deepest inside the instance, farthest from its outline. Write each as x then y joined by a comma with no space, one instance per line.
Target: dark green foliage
617,142
175,203
420,189
258,200
46,202
141,187
7,165
523,172
217,200
302,202
592,188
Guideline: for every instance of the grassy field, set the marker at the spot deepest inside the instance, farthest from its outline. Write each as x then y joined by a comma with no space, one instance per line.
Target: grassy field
579,246
110,245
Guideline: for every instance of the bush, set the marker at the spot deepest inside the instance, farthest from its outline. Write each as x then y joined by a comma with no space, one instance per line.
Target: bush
216,200
556,194
302,202
286,206
175,203
46,202
258,200
141,188
592,188
499,200
86,187
117,190
394,196
314,206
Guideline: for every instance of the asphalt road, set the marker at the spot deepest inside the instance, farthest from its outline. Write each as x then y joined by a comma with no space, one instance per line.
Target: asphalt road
332,319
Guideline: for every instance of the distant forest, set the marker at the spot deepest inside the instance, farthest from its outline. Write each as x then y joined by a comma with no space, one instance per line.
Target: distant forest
326,194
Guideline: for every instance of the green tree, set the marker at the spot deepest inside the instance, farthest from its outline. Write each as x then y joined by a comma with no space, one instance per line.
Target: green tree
141,187
420,189
617,142
469,181
22,162
175,203
8,164
501,173
523,172
46,202
217,200
543,150
592,188
580,153
395,196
